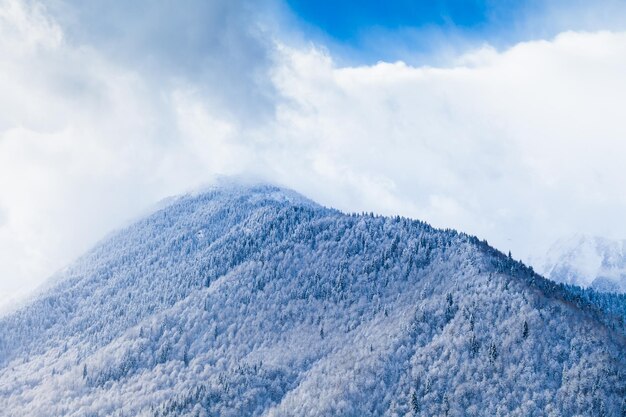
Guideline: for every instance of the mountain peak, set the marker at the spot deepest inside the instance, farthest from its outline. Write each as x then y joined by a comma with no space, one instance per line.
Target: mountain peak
233,188
588,261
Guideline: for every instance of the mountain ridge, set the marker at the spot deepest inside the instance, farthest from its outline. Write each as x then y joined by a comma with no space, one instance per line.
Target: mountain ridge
257,290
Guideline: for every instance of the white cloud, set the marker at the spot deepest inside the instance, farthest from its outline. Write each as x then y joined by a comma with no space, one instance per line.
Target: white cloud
85,144
517,146
523,144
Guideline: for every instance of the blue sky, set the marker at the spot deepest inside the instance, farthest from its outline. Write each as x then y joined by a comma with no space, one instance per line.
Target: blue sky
424,32
346,20
502,119
370,31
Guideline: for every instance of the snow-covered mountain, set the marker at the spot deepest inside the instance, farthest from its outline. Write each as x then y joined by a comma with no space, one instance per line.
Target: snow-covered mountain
587,261
254,301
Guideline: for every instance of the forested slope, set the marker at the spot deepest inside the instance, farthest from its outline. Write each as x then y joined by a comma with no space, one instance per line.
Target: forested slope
254,301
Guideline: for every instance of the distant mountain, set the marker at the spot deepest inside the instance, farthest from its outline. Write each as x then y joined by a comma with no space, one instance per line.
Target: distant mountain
254,301
587,261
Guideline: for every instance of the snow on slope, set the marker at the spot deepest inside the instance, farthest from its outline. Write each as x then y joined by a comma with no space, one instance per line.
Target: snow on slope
253,301
587,261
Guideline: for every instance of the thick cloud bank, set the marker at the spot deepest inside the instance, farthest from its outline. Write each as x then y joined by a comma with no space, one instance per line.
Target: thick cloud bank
517,146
